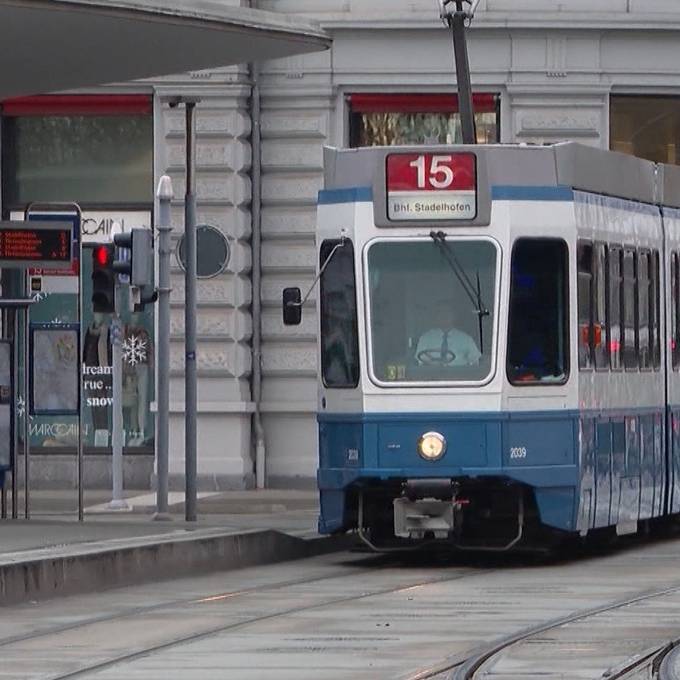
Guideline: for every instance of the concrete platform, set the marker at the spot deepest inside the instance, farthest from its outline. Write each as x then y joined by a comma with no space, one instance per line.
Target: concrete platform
53,554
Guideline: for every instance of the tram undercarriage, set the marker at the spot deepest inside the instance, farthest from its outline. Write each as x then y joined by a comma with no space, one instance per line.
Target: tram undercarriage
466,514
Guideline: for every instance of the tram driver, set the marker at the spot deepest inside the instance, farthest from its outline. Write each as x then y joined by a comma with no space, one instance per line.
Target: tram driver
444,344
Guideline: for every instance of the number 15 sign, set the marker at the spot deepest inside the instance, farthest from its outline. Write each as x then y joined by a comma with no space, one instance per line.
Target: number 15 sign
430,187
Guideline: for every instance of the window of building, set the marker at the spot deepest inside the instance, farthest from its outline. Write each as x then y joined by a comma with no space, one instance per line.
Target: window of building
538,339
585,304
629,314
391,119
339,333
644,126
615,282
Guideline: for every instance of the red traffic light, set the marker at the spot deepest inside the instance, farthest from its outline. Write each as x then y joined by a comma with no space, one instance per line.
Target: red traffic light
102,255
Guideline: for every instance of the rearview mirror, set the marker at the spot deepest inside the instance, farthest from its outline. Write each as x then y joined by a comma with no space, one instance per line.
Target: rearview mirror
292,307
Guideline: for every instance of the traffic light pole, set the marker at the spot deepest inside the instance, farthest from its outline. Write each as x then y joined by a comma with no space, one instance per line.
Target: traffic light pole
191,378
164,228
117,500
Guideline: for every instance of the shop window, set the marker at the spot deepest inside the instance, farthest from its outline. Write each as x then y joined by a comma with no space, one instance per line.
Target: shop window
97,151
585,305
88,150
392,119
647,127
614,314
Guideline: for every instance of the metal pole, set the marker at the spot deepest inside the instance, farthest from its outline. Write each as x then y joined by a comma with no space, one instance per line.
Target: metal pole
117,501
165,196
467,115
191,383
15,415
27,443
81,391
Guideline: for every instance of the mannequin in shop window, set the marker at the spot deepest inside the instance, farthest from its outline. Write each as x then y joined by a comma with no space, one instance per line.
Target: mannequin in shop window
137,367
97,353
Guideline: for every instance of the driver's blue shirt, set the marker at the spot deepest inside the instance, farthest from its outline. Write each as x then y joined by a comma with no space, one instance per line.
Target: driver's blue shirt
459,343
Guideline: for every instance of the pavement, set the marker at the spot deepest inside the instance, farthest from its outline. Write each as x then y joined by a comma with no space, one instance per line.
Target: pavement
52,553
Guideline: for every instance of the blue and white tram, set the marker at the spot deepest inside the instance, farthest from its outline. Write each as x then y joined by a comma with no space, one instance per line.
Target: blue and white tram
499,343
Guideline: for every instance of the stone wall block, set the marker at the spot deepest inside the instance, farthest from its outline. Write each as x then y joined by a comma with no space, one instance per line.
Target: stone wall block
289,221
295,358
291,188
288,256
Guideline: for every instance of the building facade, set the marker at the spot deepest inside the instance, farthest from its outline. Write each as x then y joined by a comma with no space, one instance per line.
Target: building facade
543,71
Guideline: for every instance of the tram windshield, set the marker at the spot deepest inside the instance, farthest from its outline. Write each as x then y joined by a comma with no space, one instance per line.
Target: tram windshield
425,317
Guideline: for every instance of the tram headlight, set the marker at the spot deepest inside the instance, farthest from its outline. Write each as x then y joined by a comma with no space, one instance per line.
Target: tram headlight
432,446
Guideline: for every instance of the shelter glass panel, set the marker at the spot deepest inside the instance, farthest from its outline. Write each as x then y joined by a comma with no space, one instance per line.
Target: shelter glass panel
538,338
339,334
432,310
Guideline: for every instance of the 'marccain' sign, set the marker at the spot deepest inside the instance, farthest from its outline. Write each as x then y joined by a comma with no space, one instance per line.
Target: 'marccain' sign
431,187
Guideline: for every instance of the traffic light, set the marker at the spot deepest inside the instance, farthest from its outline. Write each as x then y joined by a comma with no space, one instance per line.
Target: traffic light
135,261
103,279
139,264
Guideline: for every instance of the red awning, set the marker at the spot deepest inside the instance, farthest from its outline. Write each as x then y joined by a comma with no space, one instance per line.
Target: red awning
418,103
78,105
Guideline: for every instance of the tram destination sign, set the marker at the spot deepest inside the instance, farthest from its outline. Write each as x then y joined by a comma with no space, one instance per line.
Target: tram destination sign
33,244
431,187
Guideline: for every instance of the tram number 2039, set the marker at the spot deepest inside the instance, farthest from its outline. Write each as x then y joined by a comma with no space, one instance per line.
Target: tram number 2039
518,452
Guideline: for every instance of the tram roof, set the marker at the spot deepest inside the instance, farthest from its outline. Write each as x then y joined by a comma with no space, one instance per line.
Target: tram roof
567,164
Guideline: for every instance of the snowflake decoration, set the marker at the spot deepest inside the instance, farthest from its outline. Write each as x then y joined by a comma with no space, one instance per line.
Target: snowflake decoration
21,408
134,350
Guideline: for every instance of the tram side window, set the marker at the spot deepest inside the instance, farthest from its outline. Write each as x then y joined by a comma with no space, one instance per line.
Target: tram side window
644,355
585,304
614,307
675,309
655,309
339,335
599,330
538,336
630,353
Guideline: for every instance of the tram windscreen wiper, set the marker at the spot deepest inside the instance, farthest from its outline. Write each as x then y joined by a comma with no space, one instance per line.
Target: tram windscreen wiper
473,293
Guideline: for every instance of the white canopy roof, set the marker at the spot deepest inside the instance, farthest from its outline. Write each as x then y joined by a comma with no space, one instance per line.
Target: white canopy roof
51,45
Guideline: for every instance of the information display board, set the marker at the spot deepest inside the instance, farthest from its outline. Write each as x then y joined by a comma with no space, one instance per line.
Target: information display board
54,351
25,245
431,187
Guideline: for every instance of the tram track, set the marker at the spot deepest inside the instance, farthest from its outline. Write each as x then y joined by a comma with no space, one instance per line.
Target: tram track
481,664
130,616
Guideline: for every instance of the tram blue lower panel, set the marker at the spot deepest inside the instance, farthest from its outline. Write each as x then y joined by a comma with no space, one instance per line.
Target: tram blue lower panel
587,471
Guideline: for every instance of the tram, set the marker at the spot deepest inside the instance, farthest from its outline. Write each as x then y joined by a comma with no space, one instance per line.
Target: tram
499,343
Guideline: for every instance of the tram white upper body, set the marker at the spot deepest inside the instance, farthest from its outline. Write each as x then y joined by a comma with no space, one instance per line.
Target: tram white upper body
566,192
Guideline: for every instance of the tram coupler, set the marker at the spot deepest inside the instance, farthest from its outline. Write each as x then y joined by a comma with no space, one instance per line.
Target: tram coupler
426,508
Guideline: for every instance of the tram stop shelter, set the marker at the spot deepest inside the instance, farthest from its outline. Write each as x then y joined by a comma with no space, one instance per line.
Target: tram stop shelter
52,45
49,46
